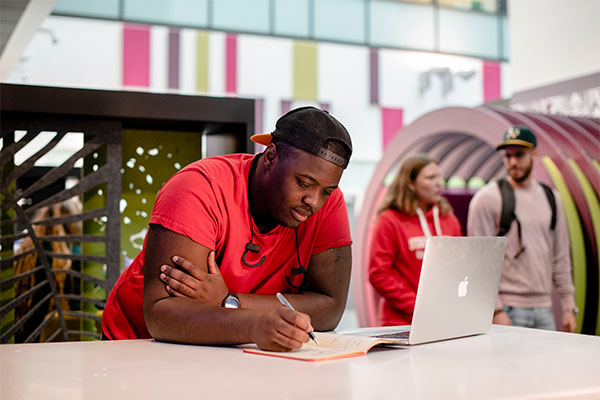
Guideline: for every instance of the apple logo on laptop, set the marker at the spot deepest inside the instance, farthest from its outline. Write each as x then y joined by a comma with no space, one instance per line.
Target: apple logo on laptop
462,287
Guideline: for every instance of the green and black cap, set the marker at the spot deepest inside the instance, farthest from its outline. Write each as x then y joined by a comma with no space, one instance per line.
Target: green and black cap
518,136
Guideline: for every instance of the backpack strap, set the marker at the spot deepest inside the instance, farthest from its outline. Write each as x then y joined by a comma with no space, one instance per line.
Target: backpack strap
552,201
508,206
508,212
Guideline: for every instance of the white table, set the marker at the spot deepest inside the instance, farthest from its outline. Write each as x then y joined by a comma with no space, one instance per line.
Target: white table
507,363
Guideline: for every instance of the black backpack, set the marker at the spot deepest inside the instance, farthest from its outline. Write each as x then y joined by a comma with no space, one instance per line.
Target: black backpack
508,209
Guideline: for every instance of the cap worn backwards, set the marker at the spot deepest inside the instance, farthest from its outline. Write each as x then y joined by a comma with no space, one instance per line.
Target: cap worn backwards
310,129
518,136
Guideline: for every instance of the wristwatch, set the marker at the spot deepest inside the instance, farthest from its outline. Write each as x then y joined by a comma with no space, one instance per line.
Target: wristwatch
231,301
574,310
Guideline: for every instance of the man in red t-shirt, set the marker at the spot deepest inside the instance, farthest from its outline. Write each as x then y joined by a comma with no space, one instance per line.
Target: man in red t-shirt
227,233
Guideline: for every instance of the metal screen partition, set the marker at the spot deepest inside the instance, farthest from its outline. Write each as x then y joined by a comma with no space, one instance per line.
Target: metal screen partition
60,249
63,239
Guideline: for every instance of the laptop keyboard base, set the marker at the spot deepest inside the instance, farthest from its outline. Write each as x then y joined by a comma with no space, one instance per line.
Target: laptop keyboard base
394,335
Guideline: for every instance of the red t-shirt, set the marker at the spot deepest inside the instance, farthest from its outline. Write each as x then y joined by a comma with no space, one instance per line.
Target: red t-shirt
207,201
396,258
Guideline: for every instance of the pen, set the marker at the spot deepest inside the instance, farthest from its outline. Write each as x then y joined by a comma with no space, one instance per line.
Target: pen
286,303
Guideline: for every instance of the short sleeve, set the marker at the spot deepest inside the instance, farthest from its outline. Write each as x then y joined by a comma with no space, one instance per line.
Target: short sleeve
188,204
333,229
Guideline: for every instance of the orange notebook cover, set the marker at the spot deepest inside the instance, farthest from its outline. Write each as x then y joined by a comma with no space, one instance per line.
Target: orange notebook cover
333,346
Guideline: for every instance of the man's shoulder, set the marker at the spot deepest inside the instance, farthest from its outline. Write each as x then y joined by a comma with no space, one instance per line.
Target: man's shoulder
335,201
544,186
234,161
219,168
490,191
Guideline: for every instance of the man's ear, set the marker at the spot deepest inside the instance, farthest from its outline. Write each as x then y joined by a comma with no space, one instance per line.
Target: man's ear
535,153
270,154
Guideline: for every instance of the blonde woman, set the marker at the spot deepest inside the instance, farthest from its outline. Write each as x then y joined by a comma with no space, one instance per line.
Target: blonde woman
412,210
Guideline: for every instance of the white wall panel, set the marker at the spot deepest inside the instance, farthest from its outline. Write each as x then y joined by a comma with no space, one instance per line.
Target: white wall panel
343,72
403,82
553,40
506,89
159,58
265,68
216,63
187,61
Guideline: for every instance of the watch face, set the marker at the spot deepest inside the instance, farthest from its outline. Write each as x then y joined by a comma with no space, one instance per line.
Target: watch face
231,302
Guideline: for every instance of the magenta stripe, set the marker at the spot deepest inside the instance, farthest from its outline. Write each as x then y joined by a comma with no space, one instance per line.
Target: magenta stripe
324,106
286,105
391,123
136,55
259,105
231,63
374,76
491,81
173,58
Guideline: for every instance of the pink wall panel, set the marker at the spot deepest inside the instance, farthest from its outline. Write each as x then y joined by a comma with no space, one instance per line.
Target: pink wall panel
491,81
136,55
231,63
392,123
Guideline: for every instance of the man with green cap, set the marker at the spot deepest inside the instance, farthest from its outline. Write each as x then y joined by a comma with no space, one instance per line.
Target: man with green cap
532,218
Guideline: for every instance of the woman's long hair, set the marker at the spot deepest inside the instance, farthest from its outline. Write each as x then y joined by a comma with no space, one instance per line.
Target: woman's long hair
400,196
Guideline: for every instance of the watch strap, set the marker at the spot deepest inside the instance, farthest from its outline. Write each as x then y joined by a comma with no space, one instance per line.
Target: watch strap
574,310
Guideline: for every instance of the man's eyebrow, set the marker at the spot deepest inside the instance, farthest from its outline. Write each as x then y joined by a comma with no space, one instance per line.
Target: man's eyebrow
316,181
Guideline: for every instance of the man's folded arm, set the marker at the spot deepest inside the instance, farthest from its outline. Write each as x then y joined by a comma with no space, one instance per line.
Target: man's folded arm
205,321
182,319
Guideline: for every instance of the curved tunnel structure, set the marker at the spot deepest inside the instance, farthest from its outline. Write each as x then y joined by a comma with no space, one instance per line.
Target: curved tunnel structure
463,141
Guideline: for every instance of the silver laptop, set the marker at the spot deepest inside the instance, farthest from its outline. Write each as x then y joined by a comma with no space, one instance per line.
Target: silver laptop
457,291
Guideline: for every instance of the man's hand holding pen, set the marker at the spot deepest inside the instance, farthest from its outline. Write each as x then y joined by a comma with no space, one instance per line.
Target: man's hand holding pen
281,329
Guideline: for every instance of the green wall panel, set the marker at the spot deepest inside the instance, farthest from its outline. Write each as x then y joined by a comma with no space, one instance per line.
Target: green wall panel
150,158
305,70
202,53
594,207
575,234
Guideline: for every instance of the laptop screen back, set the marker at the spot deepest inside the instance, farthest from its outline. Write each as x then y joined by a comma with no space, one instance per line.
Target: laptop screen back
457,288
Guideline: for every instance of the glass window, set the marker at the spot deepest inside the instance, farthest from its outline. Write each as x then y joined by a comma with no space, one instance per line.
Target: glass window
340,20
472,34
241,15
89,8
292,18
489,6
173,12
401,25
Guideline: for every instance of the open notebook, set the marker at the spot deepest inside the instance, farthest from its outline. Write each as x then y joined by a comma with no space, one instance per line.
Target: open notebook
332,346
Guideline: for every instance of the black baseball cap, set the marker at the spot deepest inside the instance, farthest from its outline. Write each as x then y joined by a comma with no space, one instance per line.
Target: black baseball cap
518,136
310,129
